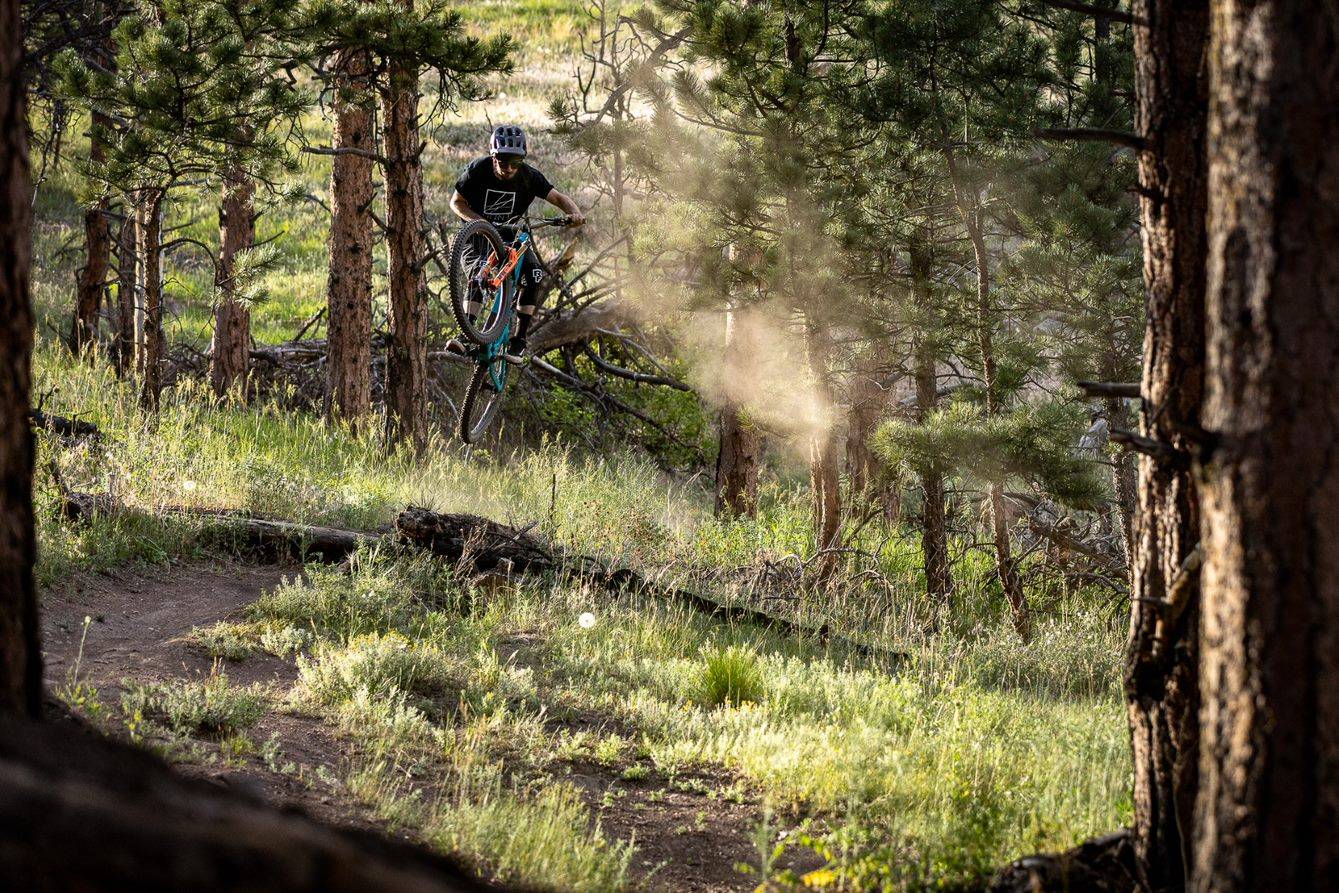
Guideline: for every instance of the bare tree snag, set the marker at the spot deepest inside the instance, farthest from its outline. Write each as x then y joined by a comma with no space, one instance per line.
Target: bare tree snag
20,649
349,318
123,353
1161,682
232,318
79,812
1269,795
741,443
92,278
406,355
149,230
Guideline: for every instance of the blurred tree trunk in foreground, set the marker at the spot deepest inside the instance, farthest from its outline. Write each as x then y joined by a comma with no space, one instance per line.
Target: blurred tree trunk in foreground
20,650
81,813
1269,794
1161,671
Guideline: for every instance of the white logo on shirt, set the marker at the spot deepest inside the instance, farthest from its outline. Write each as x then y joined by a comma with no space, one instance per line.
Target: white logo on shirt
499,203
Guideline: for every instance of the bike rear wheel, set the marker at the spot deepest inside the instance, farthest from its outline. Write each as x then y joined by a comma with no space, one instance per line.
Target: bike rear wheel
483,399
480,310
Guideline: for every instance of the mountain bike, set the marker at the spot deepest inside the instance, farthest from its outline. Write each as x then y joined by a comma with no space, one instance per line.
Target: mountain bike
485,282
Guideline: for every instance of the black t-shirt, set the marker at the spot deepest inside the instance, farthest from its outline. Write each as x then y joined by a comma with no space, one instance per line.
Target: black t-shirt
500,200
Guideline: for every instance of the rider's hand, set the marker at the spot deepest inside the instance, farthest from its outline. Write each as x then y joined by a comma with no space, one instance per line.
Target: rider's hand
576,219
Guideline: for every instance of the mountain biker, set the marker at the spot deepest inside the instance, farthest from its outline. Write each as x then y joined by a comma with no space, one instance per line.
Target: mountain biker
500,187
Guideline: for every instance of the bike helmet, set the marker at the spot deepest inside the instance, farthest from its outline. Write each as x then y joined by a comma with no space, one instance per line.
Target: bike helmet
508,139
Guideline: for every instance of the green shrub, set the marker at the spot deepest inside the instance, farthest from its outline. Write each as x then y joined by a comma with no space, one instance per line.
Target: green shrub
730,676
381,665
212,706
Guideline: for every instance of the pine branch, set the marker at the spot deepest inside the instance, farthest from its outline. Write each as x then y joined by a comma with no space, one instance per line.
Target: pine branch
1111,15
1110,389
1094,135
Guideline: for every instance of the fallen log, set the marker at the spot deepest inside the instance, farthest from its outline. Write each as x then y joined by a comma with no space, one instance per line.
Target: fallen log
489,546
63,427
80,812
485,546
1101,865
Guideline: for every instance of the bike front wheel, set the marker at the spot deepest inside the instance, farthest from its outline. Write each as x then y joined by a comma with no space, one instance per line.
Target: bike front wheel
483,399
480,310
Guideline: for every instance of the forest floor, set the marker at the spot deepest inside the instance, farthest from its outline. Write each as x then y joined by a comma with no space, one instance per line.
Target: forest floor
105,634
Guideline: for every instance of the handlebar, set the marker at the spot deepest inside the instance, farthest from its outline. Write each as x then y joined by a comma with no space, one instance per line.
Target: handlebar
552,221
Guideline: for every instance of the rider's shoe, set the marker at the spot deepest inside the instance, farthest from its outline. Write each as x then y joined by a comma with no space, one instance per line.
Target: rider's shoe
455,346
518,350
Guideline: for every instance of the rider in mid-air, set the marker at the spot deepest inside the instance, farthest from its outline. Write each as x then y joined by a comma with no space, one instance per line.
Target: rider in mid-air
499,187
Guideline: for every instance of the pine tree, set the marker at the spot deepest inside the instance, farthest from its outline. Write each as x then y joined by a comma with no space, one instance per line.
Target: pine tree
187,99
388,48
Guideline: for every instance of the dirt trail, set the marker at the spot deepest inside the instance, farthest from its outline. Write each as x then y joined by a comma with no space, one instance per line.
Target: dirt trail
686,840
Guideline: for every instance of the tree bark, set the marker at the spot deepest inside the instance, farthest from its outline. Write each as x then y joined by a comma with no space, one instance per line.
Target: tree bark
934,525
1124,477
349,314
1161,672
741,443
123,354
20,648
824,456
92,280
1269,795
406,360
149,230
232,319
870,478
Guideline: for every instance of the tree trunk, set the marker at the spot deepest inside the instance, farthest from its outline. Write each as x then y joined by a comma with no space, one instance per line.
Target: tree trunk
824,456
741,443
232,319
1269,795
92,279
123,354
1005,565
149,230
406,360
934,526
870,478
20,649
349,313
1160,674
1124,478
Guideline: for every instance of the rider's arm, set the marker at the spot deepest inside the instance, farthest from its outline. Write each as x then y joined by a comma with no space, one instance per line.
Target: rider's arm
462,208
568,206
